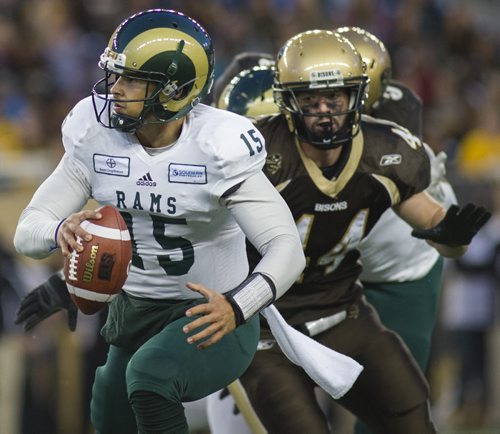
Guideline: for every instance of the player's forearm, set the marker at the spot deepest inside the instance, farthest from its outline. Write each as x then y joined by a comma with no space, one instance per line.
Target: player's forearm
283,271
35,234
268,224
62,193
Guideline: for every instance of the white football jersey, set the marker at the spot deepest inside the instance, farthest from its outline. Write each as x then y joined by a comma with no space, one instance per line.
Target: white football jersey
171,201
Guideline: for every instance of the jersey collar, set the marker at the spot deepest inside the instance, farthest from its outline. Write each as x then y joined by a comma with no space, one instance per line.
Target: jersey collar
334,186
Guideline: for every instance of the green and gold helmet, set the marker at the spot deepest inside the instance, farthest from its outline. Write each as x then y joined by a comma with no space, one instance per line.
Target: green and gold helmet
240,62
319,61
167,49
250,93
377,60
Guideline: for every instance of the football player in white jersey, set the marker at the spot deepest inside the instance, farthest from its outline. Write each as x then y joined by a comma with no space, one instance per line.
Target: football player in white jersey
187,179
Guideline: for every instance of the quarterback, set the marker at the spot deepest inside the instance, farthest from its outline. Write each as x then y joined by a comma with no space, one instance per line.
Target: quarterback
188,180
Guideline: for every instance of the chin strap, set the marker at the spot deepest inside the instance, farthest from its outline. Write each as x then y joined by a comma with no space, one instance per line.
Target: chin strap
252,295
344,135
125,124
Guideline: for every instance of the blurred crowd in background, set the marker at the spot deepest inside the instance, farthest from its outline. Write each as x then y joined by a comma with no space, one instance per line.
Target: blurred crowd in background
448,51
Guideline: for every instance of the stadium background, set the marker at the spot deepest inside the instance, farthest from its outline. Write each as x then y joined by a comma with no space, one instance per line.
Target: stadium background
448,51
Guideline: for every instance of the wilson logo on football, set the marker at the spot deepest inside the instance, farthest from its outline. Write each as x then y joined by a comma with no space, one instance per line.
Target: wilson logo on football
88,273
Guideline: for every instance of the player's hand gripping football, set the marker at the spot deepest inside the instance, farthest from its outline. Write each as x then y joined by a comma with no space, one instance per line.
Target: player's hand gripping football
458,226
43,301
70,229
217,318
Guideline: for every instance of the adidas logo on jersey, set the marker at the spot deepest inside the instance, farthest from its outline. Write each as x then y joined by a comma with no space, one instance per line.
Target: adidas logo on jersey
146,180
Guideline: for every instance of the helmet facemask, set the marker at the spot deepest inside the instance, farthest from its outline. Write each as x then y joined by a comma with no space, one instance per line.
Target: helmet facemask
125,123
321,62
336,132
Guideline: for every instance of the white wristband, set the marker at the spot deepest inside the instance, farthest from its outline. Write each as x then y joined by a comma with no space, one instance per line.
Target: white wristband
251,296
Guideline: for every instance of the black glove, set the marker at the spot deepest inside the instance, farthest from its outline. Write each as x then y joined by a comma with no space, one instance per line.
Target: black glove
43,301
458,226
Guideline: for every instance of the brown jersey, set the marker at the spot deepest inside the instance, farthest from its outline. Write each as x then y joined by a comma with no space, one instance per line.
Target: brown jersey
384,166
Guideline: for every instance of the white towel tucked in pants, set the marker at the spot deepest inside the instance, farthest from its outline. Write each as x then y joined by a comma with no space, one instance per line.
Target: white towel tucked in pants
332,371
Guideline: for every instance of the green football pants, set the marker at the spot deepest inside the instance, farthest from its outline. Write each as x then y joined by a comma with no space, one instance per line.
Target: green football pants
167,367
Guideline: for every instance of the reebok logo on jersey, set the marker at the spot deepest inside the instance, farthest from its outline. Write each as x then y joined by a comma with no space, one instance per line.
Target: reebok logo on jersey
187,173
335,206
146,180
390,159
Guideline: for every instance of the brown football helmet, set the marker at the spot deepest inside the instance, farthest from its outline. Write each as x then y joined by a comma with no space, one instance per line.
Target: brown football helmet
320,61
377,60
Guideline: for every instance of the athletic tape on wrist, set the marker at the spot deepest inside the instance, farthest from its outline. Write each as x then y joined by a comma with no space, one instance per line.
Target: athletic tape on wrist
251,296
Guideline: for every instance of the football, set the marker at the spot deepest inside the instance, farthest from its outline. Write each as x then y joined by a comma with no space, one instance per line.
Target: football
96,275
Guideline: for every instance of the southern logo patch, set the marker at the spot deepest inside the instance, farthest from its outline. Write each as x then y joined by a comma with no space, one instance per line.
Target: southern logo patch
112,165
187,173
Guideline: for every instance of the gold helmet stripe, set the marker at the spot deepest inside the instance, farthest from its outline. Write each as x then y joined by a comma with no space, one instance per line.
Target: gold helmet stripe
145,46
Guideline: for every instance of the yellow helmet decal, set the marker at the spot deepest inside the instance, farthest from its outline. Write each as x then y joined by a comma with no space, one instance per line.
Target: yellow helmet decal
147,44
